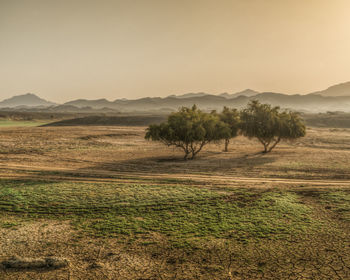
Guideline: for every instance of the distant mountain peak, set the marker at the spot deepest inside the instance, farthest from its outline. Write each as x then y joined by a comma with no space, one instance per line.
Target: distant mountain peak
340,85
28,99
342,89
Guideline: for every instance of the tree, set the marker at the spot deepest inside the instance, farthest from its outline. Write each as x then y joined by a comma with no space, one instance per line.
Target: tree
232,119
189,129
269,125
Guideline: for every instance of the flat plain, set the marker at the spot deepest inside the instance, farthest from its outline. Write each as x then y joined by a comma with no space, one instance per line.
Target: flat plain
120,207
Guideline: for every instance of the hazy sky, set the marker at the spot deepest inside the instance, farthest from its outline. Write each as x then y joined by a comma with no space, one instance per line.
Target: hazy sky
68,49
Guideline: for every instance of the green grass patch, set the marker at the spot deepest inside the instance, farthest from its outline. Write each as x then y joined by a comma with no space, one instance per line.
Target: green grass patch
177,211
7,224
338,201
12,123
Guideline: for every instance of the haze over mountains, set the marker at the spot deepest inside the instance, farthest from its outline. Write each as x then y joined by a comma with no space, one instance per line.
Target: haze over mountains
334,98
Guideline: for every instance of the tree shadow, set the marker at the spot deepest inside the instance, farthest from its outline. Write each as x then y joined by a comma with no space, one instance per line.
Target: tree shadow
210,162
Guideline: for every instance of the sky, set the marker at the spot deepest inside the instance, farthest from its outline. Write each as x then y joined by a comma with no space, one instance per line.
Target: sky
70,49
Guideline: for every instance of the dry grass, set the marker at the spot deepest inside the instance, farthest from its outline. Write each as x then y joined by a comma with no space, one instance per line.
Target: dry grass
324,153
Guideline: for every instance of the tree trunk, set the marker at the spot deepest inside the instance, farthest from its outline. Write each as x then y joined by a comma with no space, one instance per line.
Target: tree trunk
227,141
187,151
274,144
265,144
195,152
265,148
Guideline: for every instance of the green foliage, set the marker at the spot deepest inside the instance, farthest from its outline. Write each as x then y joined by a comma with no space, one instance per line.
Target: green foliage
269,125
232,119
189,129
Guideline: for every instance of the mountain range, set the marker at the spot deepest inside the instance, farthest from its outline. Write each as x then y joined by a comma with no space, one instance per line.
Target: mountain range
334,98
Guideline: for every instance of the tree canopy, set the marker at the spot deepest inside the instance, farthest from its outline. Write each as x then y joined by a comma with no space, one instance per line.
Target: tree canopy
269,125
232,119
189,129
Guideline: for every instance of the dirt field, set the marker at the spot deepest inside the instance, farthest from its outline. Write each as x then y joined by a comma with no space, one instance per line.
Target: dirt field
119,207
